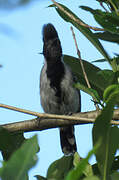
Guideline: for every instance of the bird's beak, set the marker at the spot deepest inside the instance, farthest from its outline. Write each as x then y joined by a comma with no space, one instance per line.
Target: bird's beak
40,53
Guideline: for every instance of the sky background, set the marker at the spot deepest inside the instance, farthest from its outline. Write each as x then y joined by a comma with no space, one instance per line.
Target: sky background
22,64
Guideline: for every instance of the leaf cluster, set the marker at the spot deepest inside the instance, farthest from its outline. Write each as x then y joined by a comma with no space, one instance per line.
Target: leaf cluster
105,145
19,154
99,79
104,89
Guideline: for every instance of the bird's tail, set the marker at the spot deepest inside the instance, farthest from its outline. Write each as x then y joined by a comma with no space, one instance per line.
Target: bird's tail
67,140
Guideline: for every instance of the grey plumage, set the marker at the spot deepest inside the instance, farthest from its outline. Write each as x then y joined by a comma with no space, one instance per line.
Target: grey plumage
58,96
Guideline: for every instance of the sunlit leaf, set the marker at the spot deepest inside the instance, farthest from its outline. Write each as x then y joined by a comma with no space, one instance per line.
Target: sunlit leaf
78,171
109,92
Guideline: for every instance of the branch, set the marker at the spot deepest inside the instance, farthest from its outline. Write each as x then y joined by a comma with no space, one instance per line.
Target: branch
76,19
47,121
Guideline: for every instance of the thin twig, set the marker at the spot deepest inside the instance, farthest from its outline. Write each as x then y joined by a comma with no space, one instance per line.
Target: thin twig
77,20
82,66
79,55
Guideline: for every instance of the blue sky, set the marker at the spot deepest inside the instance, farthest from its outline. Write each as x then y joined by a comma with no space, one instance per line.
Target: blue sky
22,65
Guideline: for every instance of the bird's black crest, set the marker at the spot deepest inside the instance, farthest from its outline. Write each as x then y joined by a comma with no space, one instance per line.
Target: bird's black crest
49,32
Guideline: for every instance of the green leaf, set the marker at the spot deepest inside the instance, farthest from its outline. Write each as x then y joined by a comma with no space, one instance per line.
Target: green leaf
109,92
108,75
78,171
89,91
10,142
108,20
115,6
103,131
115,176
91,178
88,169
59,169
86,32
115,2
97,82
16,168
114,62
108,36
77,159
99,61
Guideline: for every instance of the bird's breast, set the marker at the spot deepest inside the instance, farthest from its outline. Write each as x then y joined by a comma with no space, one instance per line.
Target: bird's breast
67,102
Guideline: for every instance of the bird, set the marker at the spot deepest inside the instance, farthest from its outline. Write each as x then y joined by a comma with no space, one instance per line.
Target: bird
57,93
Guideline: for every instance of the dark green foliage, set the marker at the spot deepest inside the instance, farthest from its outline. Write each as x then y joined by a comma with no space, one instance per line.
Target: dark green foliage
40,177
105,134
96,80
21,161
82,167
59,169
86,32
108,20
104,88
70,167
115,176
20,154
107,36
9,142
99,79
